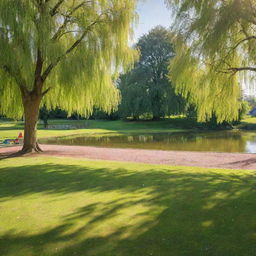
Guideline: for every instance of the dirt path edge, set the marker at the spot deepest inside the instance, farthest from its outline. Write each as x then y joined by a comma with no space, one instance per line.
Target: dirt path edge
176,158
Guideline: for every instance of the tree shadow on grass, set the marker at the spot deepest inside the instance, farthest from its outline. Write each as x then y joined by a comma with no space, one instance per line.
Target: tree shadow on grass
245,163
160,212
8,155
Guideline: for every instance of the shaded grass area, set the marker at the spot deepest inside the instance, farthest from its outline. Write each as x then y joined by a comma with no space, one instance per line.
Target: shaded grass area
11,129
56,206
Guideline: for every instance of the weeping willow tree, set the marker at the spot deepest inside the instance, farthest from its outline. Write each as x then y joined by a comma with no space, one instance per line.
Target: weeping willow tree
61,53
216,54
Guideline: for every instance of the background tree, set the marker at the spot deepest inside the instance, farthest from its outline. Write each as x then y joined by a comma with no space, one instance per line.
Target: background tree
216,52
134,93
62,53
44,115
146,88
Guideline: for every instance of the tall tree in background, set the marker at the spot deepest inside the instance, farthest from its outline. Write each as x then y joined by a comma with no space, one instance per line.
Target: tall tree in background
216,53
135,100
62,53
146,88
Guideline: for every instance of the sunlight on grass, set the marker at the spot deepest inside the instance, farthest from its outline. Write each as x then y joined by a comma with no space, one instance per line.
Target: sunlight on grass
94,128
249,119
57,206
207,224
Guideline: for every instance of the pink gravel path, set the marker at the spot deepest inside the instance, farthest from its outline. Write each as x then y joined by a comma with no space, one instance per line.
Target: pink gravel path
182,158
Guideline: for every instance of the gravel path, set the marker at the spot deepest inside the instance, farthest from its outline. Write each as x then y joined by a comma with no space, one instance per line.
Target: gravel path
182,158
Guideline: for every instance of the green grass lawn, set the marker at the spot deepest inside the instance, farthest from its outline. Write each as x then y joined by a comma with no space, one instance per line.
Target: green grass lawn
248,123
57,206
11,129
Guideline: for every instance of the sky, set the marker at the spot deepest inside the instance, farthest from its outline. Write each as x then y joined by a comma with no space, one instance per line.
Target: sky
151,13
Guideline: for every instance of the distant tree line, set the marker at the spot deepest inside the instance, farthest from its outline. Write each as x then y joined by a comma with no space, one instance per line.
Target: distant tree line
146,90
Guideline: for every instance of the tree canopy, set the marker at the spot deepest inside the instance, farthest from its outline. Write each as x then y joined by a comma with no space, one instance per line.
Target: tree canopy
146,89
75,46
216,53
63,53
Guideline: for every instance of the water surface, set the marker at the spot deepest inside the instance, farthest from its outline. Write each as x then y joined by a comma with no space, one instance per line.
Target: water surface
220,141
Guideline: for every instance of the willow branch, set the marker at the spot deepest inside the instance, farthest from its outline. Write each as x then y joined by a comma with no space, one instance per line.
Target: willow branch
61,28
46,91
244,40
19,81
54,10
69,50
234,70
68,18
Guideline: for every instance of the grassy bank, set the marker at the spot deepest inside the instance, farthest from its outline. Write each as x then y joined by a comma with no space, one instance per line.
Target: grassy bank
248,123
11,129
98,127
52,206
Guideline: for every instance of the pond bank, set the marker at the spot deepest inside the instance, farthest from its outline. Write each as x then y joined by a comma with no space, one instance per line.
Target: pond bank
177,158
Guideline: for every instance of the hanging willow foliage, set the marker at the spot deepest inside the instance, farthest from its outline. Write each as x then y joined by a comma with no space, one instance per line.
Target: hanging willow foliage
215,41
81,45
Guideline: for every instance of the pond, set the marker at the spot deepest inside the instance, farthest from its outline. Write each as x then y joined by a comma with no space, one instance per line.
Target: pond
220,141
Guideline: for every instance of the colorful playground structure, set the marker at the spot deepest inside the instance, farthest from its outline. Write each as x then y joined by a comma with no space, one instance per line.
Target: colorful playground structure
17,141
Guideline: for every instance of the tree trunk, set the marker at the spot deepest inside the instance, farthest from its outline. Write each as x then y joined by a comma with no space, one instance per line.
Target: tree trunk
156,118
31,105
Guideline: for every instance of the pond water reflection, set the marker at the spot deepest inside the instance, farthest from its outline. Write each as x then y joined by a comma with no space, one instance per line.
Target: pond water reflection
220,141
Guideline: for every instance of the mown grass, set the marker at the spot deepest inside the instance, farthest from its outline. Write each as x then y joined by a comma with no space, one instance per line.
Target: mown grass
248,123
11,129
65,207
